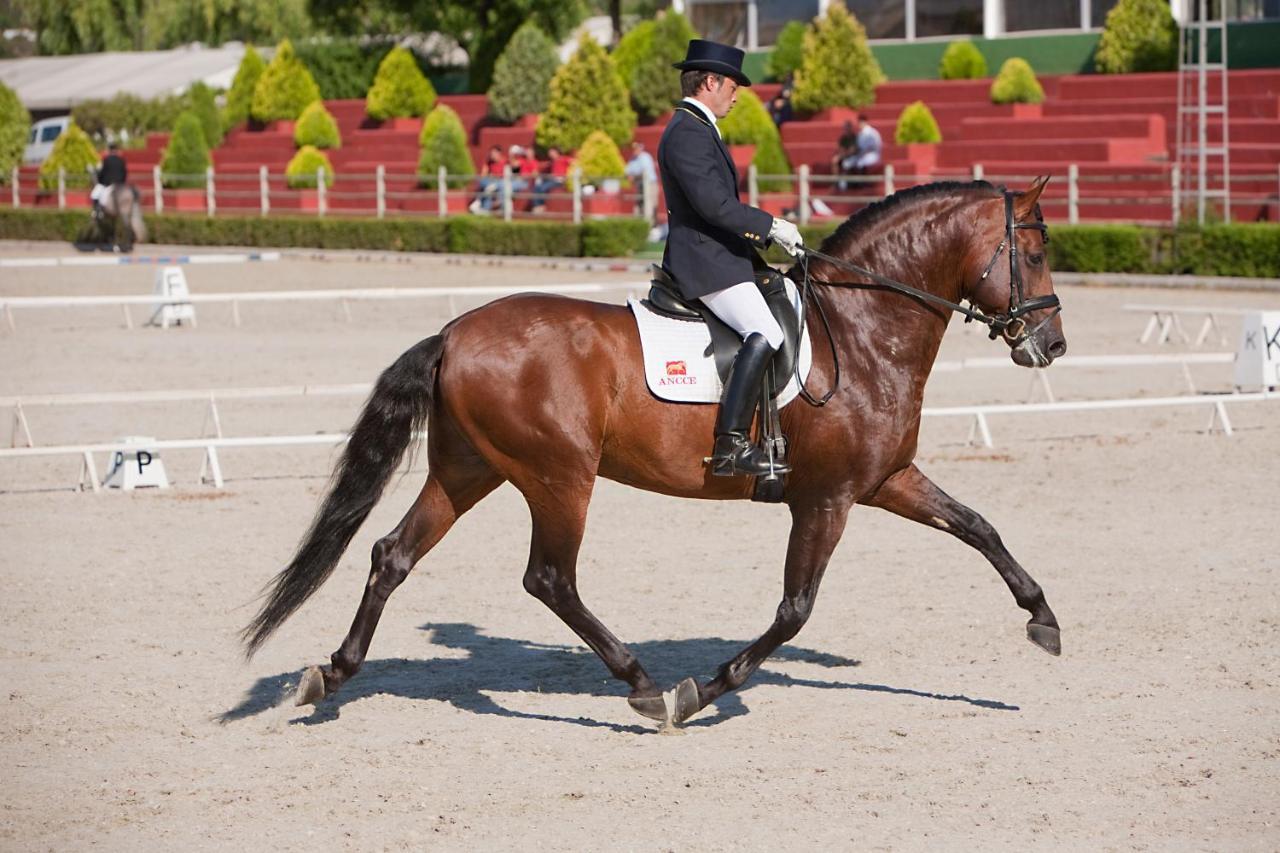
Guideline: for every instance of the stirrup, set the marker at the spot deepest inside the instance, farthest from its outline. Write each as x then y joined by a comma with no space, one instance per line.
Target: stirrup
734,455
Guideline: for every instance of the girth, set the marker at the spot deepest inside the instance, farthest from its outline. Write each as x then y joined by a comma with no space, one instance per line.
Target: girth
664,298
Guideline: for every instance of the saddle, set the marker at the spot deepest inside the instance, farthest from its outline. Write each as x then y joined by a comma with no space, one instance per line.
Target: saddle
665,299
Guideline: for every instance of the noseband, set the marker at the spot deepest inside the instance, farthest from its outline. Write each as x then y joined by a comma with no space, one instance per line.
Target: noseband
1009,325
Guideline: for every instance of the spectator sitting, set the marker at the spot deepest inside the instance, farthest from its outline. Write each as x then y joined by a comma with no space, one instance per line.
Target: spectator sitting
864,152
641,170
554,174
524,169
780,109
490,181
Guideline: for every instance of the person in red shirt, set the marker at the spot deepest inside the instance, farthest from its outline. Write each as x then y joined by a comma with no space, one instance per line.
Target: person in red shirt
490,181
553,175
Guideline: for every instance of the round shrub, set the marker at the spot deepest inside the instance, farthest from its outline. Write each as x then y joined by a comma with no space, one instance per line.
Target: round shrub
15,124
444,143
748,123
656,87
399,89
301,171
316,127
187,156
838,68
916,124
599,158
73,151
1016,84
240,96
522,74
632,48
962,61
586,95
1139,35
285,88
787,53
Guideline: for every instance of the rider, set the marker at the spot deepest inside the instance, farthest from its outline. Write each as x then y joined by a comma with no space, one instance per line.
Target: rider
709,248
111,171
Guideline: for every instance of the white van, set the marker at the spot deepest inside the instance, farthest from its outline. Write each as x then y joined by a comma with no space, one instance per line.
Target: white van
42,136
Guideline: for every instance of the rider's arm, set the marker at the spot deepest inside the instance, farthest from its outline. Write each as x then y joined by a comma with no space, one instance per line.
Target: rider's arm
695,170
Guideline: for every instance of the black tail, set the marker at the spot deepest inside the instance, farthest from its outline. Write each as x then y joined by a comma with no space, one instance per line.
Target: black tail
393,415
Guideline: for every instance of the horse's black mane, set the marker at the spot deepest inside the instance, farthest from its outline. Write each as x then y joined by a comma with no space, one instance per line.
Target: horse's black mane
873,213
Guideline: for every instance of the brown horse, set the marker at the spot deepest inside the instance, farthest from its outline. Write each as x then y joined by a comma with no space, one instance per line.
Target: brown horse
549,393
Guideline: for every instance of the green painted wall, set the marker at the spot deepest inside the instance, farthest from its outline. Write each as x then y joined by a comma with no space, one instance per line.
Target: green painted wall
1252,45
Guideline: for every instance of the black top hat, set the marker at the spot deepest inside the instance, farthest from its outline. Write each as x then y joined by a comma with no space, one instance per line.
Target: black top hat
704,55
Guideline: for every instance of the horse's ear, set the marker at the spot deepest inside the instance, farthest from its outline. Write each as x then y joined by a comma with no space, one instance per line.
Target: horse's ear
1025,204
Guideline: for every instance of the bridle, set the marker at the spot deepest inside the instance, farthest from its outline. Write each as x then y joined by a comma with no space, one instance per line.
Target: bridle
1010,324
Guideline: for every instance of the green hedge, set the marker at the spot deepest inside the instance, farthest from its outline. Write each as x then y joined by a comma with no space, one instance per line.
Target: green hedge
473,235
1248,250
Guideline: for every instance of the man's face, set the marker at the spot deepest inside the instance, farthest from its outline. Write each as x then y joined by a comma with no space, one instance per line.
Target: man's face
720,96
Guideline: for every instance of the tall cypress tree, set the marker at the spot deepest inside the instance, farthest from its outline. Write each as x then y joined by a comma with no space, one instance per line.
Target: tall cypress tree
240,97
522,75
839,69
586,95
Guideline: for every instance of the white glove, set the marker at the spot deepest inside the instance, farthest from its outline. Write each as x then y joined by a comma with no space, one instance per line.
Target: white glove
786,235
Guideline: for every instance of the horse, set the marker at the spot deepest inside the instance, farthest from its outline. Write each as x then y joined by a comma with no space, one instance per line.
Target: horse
548,393
120,224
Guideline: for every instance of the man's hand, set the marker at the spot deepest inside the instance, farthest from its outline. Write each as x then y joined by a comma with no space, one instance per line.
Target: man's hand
786,235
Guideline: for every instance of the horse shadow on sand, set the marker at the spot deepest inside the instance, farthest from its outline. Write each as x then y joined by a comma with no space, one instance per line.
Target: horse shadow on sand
489,665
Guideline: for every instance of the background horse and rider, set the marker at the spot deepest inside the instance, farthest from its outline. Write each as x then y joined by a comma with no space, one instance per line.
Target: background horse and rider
548,393
117,222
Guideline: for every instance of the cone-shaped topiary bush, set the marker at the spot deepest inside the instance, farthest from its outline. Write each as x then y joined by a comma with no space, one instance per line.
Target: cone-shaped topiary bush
522,74
301,171
657,84
916,124
317,127
240,97
399,89
632,48
444,143
1139,35
73,150
586,95
1016,84
200,102
788,51
15,124
748,123
599,158
285,88
838,69
187,156
962,61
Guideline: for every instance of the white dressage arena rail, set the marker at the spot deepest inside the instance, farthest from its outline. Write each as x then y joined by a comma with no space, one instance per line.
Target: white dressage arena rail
211,471
1166,320
8,303
140,260
1216,402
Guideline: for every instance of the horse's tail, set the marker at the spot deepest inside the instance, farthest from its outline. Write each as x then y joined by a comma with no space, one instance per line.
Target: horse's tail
393,415
136,222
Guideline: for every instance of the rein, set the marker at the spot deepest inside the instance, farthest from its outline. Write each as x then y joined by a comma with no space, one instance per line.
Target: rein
1010,324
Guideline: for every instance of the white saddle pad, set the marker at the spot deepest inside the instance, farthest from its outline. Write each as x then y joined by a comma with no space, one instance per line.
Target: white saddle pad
675,365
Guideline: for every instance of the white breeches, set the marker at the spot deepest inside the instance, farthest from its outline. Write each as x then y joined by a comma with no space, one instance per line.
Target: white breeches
744,310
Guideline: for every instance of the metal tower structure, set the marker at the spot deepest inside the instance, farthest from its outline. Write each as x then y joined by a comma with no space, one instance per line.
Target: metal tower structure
1202,158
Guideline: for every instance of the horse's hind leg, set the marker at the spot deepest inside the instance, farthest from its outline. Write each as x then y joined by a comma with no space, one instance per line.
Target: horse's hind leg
443,499
912,495
815,531
551,577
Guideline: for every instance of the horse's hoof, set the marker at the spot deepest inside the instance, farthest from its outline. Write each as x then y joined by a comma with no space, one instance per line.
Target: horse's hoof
1047,638
653,707
311,687
687,701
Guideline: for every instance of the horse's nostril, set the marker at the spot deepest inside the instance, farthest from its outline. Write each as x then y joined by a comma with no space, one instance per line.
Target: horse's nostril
1058,348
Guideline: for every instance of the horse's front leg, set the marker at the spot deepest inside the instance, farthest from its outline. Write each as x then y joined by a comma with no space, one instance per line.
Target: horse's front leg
815,530
912,495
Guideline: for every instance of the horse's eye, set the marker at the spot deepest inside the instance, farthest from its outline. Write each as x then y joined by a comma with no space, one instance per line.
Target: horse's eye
1035,260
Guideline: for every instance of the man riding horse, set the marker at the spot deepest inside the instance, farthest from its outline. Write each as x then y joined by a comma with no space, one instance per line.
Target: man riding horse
112,171
711,243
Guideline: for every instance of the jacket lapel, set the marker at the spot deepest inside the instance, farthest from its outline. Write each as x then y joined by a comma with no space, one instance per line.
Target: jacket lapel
724,149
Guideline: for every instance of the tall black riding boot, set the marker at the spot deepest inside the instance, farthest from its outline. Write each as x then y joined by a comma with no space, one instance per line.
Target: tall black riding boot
734,453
